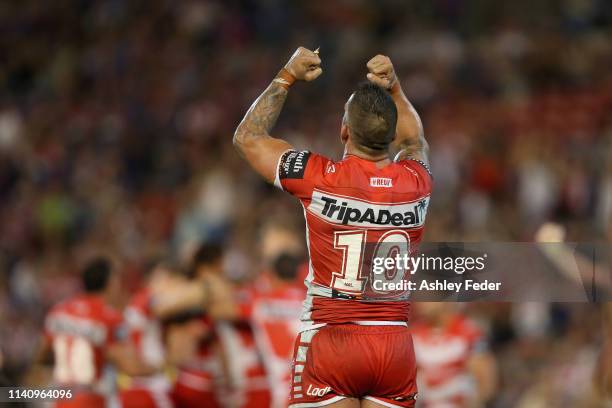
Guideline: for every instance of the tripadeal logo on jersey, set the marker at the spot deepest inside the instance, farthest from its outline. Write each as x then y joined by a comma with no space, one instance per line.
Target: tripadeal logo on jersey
353,212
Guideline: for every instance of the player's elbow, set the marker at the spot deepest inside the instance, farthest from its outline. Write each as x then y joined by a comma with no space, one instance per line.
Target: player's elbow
239,137
246,139
242,139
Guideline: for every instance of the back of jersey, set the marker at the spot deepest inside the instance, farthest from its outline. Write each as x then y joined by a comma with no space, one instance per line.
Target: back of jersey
356,215
80,330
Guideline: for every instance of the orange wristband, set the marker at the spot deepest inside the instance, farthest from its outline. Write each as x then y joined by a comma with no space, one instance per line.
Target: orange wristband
284,78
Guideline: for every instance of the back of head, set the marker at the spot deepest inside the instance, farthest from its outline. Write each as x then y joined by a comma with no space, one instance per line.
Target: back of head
207,255
372,118
96,275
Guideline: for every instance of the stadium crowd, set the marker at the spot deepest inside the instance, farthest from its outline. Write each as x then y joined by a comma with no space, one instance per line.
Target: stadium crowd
116,121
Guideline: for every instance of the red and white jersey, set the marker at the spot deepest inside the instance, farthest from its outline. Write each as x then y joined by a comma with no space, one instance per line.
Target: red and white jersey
203,372
198,384
80,330
275,318
442,355
144,329
146,334
355,212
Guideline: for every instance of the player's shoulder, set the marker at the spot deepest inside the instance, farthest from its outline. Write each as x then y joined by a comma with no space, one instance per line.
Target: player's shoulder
95,308
294,164
417,168
70,305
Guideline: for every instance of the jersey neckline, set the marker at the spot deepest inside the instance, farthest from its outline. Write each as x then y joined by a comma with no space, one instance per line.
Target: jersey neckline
370,163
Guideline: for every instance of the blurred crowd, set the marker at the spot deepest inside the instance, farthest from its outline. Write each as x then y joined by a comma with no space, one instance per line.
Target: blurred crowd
116,121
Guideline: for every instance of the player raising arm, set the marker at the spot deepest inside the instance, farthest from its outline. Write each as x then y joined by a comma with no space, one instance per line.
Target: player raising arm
252,137
371,203
410,139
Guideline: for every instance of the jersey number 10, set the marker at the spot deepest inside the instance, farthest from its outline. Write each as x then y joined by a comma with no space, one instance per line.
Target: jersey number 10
359,255
74,360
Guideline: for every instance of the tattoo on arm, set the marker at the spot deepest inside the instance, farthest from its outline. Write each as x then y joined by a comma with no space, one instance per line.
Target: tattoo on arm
262,115
412,146
410,142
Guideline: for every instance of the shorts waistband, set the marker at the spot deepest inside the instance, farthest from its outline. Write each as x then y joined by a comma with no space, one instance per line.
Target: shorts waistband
369,329
309,325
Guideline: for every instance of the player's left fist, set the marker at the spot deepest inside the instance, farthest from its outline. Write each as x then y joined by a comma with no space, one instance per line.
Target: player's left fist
304,65
381,72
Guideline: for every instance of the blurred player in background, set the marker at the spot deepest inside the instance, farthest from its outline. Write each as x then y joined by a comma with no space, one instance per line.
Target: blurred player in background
275,319
196,303
146,332
455,367
227,368
350,352
276,304
85,334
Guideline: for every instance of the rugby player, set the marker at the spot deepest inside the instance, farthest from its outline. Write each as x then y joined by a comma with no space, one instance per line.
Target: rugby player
354,349
85,334
226,369
147,334
456,367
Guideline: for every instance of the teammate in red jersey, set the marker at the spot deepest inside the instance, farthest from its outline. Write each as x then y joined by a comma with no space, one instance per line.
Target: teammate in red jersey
455,366
146,332
85,334
355,348
194,303
226,370
274,315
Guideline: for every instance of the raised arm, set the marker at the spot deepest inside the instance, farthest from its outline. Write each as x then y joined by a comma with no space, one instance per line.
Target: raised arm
410,139
252,137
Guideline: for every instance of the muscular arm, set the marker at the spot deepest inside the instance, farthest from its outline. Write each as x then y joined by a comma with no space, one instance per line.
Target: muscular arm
178,298
212,294
252,137
410,138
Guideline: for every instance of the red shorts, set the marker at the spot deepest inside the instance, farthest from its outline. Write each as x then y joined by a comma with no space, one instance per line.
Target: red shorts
348,360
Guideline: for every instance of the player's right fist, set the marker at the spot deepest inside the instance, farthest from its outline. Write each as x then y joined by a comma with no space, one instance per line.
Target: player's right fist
304,65
381,72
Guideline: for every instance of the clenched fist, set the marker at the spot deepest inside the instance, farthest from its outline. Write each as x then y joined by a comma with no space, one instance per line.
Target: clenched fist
304,65
381,72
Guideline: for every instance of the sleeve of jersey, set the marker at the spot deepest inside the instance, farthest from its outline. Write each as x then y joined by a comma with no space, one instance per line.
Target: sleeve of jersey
298,172
422,172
